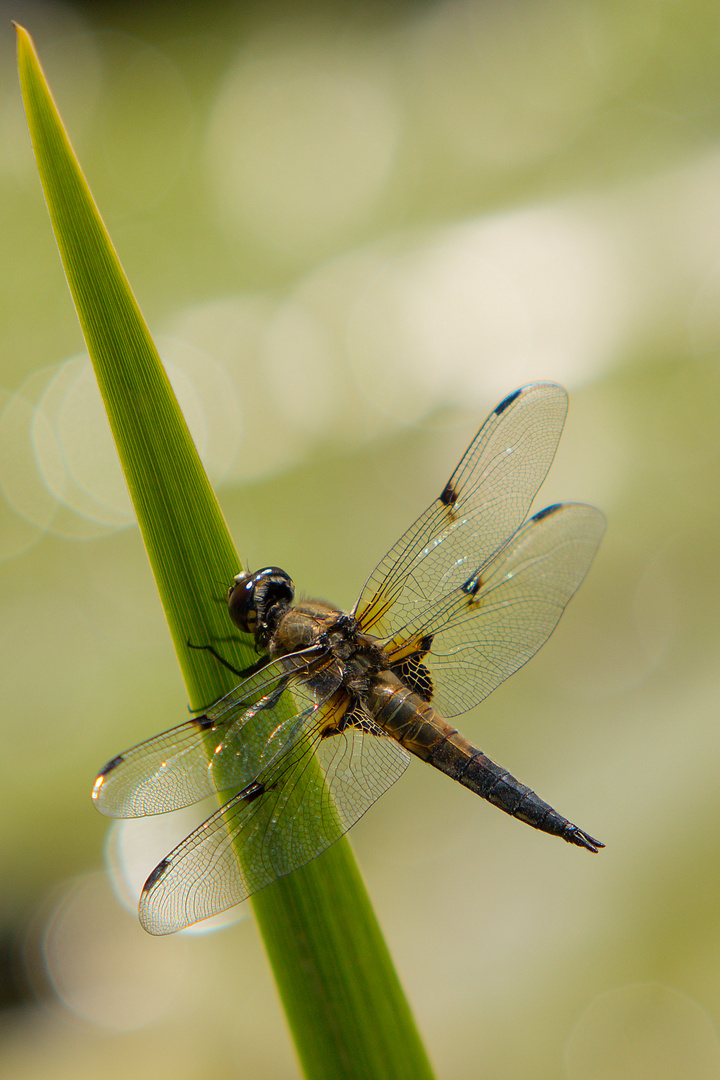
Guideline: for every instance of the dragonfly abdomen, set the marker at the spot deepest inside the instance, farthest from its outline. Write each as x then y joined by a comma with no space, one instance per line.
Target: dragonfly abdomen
422,731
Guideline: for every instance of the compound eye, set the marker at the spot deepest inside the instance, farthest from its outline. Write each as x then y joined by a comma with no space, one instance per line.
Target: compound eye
278,587
252,597
241,601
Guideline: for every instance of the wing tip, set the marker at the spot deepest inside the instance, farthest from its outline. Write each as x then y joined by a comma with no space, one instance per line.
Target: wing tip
99,785
535,387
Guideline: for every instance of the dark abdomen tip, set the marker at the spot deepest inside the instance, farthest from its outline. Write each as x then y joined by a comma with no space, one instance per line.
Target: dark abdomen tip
573,835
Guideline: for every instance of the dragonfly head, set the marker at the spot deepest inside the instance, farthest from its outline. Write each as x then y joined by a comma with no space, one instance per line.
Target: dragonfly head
256,601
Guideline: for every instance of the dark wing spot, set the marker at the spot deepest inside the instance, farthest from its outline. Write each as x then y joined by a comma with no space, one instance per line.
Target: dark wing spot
449,495
546,512
252,792
472,585
356,717
111,765
426,644
369,726
413,673
507,401
156,875
202,723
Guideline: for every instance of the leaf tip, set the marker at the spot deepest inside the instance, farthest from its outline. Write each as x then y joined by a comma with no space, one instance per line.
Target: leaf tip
25,45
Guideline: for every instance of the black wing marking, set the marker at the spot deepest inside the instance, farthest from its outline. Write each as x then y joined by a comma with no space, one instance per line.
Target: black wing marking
484,502
310,794
492,624
179,767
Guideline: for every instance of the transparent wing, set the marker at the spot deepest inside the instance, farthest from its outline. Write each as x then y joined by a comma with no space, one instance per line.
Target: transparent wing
468,641
179,767
291,813
484,502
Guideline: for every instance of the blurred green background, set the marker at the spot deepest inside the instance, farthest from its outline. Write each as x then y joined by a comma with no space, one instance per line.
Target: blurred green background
353,228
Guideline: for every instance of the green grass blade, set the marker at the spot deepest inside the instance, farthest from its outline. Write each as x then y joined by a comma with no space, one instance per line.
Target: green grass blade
344,1004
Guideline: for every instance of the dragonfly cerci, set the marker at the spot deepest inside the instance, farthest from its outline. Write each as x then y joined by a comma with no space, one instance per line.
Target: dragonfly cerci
329,716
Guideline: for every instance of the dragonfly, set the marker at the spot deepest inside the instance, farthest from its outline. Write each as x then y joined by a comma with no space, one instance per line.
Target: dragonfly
331,713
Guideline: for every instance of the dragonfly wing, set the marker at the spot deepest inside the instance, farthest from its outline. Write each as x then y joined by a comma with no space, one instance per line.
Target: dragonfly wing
288,816
484,502
468,641
164,773
360,764
218,751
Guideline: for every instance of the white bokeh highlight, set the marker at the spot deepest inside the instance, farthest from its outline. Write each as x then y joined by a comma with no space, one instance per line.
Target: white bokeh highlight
59,468
301,142
99,964
643,1031
136,846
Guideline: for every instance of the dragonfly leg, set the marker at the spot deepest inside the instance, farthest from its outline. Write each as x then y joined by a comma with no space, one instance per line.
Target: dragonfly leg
242,673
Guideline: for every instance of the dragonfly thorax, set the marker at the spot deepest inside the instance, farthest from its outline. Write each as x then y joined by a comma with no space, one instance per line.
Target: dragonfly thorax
315,623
